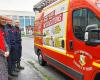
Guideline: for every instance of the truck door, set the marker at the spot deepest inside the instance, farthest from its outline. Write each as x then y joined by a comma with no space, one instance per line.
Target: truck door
83,53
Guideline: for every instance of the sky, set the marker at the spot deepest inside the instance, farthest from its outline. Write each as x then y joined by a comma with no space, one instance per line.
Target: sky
18,5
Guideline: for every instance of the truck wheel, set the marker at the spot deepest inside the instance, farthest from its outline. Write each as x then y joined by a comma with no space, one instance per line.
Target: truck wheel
41,60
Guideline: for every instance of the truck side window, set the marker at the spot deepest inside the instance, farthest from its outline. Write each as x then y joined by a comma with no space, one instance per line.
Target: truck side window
92,19
81,19
79,23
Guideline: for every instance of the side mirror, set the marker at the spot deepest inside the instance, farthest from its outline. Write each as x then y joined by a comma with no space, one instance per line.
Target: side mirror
92,35
89,41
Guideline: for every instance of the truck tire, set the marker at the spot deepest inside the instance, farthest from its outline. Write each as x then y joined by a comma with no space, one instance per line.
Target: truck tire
41,61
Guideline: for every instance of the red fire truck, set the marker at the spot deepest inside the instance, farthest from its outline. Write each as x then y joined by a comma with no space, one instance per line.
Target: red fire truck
67,36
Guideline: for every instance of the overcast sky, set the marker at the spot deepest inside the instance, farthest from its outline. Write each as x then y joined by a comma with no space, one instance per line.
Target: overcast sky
19,5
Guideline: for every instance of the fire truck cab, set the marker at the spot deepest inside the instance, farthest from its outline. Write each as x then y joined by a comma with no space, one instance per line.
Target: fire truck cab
67,36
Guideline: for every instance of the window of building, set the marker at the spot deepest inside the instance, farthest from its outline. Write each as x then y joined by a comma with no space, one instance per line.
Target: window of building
32,21
27,20
14,17
21,19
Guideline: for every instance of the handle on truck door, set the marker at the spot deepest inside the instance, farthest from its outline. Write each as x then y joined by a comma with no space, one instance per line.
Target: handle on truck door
71,45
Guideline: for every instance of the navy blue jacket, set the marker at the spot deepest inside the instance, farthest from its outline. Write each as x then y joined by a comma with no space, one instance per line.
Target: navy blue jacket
11,32
7,35
18,35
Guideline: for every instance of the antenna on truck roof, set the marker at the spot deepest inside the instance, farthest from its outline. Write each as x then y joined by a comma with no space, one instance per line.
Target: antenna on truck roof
39,6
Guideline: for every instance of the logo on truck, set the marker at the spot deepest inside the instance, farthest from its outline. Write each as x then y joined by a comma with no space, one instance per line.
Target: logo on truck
83,60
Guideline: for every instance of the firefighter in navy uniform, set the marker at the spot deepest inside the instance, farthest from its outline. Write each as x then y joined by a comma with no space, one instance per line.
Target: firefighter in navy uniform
11,41
18,45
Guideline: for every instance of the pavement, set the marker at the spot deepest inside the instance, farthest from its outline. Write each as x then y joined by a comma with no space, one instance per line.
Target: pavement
33,71
27,74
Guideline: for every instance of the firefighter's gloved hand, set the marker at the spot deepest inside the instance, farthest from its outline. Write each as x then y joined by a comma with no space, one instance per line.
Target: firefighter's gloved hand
6,54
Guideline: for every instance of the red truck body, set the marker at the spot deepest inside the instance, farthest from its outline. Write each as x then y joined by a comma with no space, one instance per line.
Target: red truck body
59,38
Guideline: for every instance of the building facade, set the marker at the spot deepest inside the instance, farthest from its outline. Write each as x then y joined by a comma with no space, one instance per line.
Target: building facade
26,18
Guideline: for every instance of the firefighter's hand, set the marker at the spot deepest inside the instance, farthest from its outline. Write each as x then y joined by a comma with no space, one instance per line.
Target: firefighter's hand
6,54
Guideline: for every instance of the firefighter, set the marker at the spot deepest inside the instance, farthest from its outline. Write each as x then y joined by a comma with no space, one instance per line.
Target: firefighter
18,45
11,42
4,52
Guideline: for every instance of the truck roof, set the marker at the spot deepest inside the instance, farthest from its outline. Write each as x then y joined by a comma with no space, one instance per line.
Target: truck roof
43,3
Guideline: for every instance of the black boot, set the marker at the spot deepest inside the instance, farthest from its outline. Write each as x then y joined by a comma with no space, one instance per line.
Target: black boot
19,66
